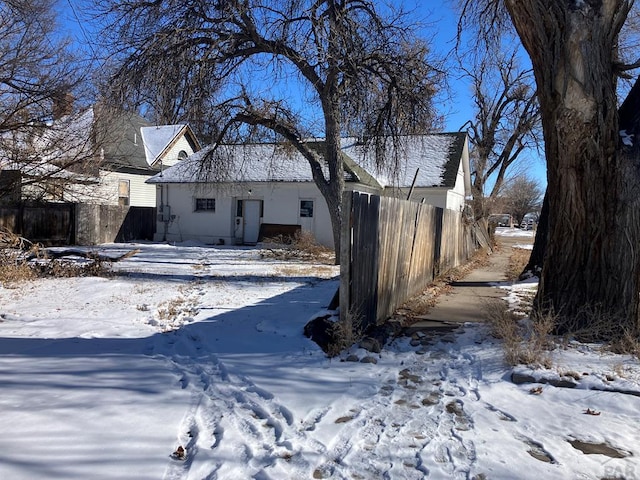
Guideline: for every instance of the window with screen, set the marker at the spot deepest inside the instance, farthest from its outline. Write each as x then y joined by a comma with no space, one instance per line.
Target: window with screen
306,208
205,205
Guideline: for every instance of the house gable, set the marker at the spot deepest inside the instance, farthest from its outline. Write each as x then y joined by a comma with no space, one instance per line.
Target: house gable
163,144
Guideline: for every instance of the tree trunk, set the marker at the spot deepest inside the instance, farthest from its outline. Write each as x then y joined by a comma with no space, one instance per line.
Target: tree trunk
591,275
536,260
333,187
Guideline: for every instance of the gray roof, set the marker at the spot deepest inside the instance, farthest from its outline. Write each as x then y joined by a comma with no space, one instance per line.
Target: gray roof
119,135
436,157
264,162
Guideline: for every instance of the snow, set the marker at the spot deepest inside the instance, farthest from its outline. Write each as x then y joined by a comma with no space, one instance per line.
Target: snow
423,155
157,138
202,347
246,163
627,139
269,162
515,232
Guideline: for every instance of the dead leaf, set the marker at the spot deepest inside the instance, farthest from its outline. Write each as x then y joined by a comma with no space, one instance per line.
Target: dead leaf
535,391
588,411
180,453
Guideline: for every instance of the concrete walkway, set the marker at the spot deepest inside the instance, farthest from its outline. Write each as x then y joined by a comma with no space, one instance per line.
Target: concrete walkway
467,299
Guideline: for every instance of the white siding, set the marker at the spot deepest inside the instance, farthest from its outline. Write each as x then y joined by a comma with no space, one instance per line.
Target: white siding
171,156
281,206
141,194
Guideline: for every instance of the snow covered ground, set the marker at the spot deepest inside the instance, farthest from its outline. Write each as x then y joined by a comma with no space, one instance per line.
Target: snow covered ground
103,378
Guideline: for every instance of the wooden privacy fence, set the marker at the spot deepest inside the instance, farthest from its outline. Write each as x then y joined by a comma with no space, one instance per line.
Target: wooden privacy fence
112,223
392,249
49,224
80,224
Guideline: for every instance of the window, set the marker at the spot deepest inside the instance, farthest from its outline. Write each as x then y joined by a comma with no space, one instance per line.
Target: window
123,192
182,155
54,191
306,208
205,204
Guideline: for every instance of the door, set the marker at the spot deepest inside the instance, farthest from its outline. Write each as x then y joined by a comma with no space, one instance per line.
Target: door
306,215
251,221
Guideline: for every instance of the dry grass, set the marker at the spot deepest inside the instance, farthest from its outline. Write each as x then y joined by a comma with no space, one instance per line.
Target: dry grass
525,341
171,311
13,269
628,343
323,271
21,260
517,261
345,333
303,246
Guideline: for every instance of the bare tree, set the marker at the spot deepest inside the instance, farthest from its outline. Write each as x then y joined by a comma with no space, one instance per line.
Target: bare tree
506,123
591,268
295,69
39,81
523,195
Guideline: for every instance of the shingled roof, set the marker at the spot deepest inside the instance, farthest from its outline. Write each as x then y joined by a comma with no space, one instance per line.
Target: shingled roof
257,162
435,157
118,134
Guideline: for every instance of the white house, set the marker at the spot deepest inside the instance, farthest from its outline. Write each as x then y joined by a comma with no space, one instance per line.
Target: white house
246,186
435,165
254,185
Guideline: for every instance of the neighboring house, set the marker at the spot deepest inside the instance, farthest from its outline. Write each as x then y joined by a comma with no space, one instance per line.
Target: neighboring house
96,157
247,186
436,165
131,150
139,153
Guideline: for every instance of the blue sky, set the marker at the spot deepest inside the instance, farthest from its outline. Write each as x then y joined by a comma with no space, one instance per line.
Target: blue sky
440,25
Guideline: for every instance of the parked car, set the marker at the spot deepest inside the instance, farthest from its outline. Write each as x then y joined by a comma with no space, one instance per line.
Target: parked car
527,224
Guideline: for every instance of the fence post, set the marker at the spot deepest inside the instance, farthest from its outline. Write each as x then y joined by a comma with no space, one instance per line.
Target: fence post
437,248
345,254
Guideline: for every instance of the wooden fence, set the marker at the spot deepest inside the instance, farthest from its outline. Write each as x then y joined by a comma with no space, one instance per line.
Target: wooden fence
112,223
51,224
391,249
81,224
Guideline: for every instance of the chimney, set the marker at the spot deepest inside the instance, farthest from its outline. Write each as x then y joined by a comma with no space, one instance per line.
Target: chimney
62,105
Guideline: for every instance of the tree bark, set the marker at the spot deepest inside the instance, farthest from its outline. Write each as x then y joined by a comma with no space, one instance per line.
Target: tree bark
536,260
591,268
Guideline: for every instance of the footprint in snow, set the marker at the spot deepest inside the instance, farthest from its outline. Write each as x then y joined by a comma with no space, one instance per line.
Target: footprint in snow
461,419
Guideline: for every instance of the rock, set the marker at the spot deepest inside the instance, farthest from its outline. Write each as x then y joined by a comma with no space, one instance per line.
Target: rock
321,330
352,358
371,345
369,359
520,378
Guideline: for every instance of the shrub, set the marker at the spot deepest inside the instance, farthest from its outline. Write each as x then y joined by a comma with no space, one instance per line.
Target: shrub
302,246
22,260
525,341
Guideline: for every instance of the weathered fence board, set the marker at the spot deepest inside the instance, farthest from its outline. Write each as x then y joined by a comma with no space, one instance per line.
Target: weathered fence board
46,224
68,224
391,249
